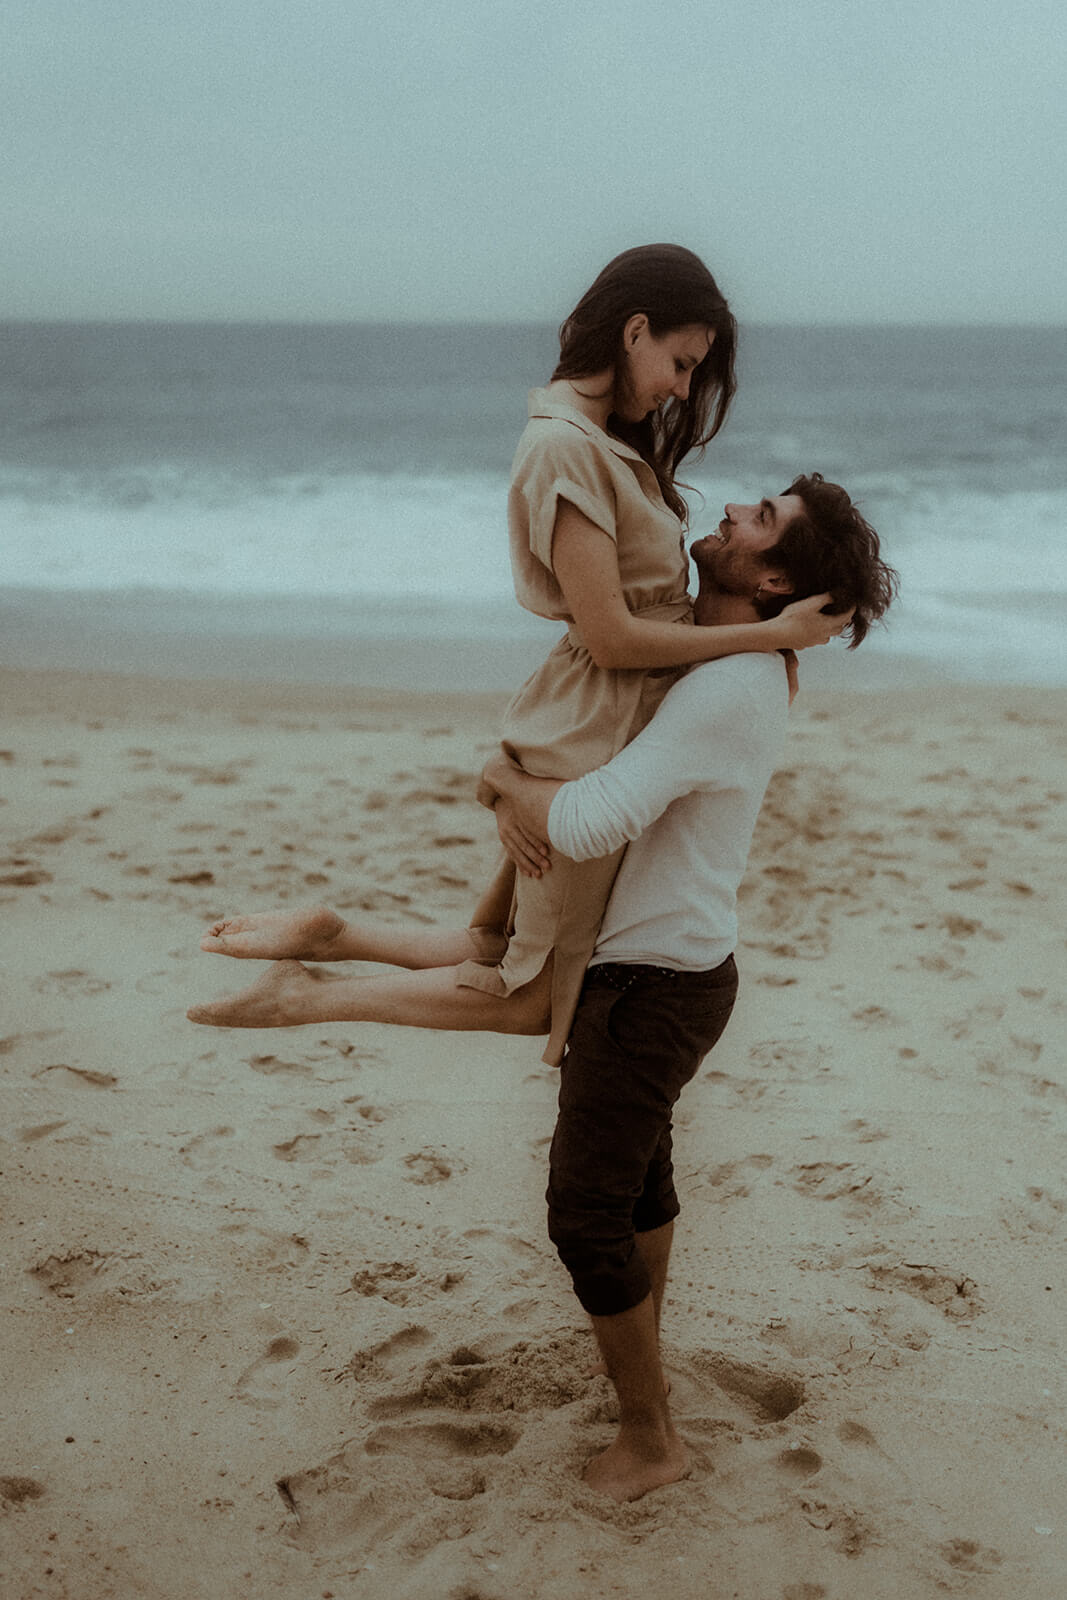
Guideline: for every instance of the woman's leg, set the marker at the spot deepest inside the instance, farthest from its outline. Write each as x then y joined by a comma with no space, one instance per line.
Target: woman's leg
323,935
287,995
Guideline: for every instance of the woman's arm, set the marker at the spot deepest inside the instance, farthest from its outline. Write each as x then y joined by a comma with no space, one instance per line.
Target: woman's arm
587,569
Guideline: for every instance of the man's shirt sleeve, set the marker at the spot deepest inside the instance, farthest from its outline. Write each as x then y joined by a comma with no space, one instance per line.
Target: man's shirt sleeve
718,728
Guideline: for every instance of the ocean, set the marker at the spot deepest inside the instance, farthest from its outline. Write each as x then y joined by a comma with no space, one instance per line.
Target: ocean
328,502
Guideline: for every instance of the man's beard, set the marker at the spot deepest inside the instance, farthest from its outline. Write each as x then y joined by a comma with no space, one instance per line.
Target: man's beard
728,573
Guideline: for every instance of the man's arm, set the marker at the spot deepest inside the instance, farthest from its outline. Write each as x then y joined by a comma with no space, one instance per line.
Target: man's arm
709,732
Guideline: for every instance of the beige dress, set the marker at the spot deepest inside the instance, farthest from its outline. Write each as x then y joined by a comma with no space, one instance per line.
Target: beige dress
572,715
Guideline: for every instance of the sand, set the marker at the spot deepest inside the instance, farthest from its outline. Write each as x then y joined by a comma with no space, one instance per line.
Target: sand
280,1314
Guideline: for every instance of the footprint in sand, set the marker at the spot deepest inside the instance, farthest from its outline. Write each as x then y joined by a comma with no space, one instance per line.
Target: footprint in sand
268,1249
302,1147
733,1179
430,1166
873,1016
762,1394
204,1149
390,1280
357,1147
271,1065
346,1500
16,1491
799,1461
40,1130
364,1109
97,1272
852,1432
401,1283
952,1293
1042,1088
74,983
503,1248
863,1133
393,1477
966,1555
377,1361
852,1533
86,1075
748,1091
1038,1212
828,1180
787,1056
24,877
64,1276
263,1383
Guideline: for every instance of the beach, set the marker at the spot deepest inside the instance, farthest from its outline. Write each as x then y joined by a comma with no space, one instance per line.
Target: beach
281,1314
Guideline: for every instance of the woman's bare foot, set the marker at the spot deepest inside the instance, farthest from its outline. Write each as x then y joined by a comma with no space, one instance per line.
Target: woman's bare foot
277,935
282,998
633,1465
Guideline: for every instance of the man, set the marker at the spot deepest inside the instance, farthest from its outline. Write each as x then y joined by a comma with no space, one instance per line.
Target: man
662,980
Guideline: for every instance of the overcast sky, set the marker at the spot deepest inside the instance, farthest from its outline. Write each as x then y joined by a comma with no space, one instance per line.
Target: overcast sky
833,161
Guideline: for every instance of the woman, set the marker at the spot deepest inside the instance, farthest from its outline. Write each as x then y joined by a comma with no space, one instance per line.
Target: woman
596,525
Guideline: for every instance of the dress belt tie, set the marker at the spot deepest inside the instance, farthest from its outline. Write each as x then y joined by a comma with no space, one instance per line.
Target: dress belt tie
665,611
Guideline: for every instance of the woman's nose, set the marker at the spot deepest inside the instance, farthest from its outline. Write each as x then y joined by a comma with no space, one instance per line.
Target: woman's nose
681,388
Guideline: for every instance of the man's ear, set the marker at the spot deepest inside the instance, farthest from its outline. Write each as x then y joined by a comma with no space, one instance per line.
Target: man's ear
775,582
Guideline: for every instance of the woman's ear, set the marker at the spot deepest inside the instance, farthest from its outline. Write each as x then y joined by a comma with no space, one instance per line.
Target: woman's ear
633,329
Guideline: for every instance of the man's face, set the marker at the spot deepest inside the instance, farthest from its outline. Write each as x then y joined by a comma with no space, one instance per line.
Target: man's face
732,559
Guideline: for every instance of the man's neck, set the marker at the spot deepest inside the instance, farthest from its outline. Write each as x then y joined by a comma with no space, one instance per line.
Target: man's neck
711,609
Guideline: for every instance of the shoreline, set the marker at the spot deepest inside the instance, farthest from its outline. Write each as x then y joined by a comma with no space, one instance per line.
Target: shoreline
63,692
385,643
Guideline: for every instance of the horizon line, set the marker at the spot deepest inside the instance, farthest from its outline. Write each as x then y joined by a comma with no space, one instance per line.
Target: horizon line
478,322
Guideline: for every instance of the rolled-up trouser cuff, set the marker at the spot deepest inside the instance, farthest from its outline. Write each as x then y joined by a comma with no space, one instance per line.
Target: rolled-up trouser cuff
608,1294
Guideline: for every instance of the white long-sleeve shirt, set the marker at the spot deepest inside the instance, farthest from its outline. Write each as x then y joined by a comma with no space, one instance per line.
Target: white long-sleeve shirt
686,792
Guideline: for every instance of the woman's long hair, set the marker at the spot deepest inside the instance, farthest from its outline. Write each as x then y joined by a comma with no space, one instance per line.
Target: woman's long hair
673,288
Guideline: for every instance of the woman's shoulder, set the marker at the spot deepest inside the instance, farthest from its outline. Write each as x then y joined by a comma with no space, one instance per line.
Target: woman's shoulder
558,447
564,433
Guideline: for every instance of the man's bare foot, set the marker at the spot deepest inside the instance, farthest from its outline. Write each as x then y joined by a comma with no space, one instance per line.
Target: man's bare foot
281,998
630,1467
277,935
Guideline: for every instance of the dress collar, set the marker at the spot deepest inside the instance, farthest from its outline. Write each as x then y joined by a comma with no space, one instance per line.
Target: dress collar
543,404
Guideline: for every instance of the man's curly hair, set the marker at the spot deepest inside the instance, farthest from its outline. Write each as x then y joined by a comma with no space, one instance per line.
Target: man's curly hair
831,549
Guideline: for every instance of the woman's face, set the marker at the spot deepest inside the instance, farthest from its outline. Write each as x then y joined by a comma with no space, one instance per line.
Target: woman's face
655,369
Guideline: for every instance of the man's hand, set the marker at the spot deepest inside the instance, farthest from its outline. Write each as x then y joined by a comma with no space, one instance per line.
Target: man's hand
521,804
494,777
804,623
531,855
